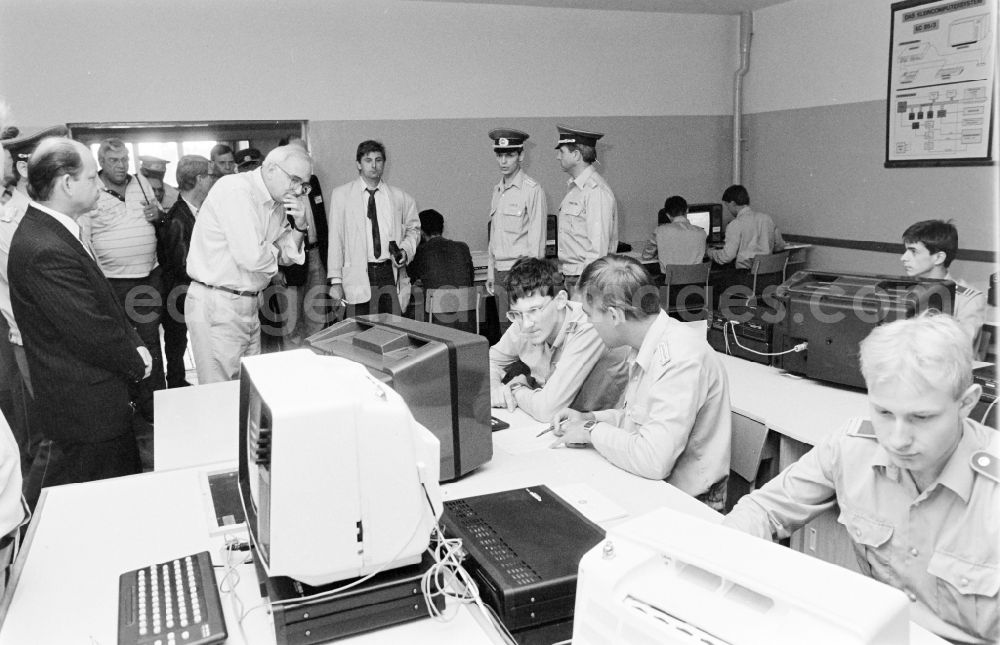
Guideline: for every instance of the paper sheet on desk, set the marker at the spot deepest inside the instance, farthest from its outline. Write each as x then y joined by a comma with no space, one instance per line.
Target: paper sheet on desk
595,506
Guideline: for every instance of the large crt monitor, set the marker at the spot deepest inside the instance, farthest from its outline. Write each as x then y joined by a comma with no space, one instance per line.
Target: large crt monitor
441,373
709,218
336,478
667,578
833,312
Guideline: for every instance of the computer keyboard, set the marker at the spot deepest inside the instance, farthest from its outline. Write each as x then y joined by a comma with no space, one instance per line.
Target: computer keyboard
171,603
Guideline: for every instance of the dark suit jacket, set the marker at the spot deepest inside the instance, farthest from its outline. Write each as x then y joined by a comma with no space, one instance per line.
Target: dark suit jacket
176,239
442,263
295,274
80,345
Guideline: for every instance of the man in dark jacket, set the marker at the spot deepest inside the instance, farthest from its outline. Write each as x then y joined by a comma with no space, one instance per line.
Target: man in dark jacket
195,176
440,262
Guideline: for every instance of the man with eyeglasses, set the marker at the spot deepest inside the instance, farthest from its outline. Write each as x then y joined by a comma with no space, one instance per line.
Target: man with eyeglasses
374,232
249,224
550,357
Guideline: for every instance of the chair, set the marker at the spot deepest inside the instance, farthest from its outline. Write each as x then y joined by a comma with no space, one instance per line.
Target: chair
449,303
768,265
678,275
753,460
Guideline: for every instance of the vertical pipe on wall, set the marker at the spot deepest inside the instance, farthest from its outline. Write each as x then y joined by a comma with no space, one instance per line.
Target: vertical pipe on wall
746,35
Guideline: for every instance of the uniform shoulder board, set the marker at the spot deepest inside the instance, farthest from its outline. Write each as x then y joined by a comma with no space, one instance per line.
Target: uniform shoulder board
862,428
986,464
528,181
966,290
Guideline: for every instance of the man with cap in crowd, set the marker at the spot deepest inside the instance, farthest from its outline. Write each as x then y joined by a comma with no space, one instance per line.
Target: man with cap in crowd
155,169
17,151
223,158
588,214
374,232
121,231
518,215
248,159
196,176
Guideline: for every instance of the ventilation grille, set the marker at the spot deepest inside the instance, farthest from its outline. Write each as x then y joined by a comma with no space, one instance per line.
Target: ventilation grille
500,553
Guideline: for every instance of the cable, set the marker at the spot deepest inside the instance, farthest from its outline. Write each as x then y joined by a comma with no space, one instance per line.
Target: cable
801,347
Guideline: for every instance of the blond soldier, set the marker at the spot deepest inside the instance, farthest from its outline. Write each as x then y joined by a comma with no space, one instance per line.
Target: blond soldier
917,485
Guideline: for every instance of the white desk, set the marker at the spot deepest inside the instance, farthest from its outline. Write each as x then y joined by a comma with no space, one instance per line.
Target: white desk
797,408
85,535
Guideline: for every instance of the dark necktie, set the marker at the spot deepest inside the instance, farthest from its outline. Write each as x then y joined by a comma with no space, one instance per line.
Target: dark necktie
373,217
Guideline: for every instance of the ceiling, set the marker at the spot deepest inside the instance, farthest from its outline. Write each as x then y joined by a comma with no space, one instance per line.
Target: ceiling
664,6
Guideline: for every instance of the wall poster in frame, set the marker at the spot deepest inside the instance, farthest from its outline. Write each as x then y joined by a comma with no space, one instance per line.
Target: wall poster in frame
941,96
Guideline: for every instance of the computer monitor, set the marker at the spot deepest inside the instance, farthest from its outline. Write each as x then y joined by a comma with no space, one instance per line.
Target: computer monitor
709,218
441,373
336,478
831,313
668,578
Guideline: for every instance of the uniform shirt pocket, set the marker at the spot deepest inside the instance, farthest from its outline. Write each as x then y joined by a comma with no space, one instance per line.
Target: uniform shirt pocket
871,536
513,215
967,593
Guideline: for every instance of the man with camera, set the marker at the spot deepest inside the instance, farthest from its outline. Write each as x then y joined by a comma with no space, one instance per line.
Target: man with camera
374,231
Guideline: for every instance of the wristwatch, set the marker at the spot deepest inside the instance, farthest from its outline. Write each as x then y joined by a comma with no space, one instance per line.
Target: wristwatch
589,425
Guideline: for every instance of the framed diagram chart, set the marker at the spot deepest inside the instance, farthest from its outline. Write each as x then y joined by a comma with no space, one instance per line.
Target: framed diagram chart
942,61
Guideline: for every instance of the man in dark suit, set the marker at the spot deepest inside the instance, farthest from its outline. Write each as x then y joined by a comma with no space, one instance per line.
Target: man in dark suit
195,177
440,262
82,350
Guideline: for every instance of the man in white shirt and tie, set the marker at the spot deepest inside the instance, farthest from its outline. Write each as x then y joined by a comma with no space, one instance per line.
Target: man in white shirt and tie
374,232
249,224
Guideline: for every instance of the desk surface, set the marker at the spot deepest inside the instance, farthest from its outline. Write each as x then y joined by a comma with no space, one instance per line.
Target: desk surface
85,535
799,408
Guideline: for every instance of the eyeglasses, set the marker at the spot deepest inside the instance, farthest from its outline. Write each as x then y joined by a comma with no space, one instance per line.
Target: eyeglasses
533,313
303,184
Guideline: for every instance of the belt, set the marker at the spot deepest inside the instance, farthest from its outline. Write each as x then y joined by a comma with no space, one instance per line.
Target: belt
311,245
235,292
379,263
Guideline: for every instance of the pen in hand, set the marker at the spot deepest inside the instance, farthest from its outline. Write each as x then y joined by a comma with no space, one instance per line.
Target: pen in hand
551,427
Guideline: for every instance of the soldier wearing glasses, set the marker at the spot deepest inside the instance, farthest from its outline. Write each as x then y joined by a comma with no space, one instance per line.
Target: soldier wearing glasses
550,357
249,224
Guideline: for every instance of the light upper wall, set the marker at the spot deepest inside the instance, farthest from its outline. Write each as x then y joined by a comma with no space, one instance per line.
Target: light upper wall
143,60
818,52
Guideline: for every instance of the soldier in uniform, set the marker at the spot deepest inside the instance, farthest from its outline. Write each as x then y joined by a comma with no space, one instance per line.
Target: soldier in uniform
551,357
155,169
917,485
518,213
588,214
675,423
931,246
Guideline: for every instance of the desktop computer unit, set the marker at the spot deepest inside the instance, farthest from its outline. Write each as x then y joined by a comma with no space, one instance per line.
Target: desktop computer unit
745,331
709,218
833,312
441,373
669,578
339,487
524,547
